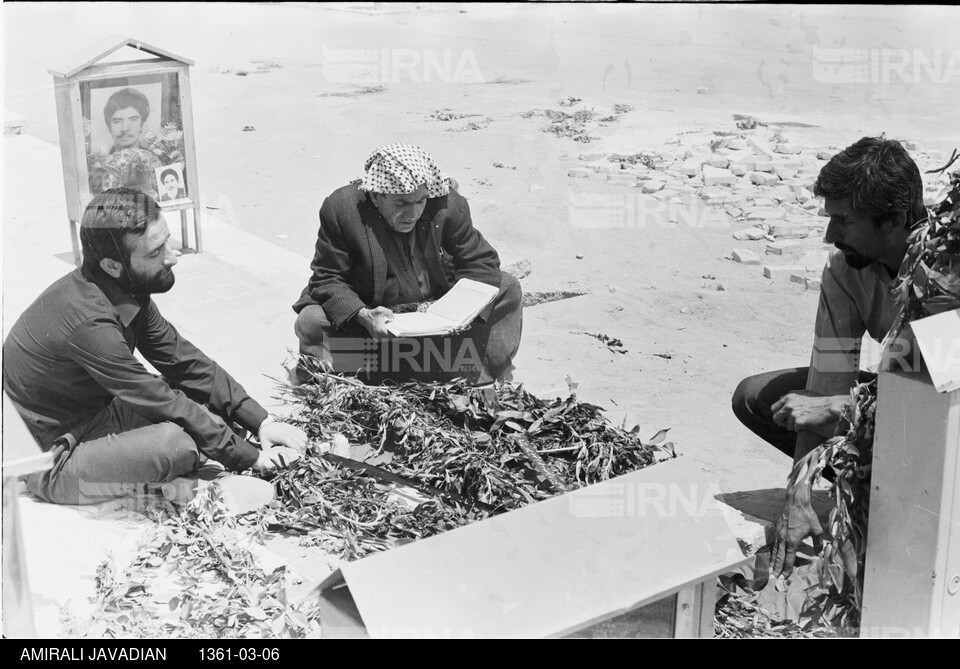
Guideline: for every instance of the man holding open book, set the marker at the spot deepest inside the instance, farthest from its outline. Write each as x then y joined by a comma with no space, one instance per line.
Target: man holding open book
404,236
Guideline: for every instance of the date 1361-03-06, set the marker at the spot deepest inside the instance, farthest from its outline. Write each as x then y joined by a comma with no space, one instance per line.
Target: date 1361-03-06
228,654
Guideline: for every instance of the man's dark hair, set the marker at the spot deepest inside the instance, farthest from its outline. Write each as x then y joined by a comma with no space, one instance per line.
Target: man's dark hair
879,177
163,175
109,220
126,97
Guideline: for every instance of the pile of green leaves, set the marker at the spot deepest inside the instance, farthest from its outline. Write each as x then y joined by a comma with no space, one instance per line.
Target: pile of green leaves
845,542
223,593
470,453
833,607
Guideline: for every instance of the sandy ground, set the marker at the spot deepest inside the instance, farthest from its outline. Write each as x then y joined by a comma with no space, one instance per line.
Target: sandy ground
647,282
688,343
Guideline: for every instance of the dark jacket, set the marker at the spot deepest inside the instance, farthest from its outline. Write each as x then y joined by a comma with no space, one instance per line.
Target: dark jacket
350,266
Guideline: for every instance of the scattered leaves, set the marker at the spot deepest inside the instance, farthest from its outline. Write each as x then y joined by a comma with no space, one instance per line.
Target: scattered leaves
223,593
929,279
748,122
648,160
563,124
448,115
614,345
473,125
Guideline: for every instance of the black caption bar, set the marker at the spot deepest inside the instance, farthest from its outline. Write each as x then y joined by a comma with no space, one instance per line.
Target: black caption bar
148,651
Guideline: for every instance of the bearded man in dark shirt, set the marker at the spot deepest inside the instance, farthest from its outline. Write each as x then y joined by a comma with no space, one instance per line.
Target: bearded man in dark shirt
69,368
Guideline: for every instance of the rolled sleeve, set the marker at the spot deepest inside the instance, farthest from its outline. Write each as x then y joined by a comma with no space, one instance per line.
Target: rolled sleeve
99,347
838,330
186,367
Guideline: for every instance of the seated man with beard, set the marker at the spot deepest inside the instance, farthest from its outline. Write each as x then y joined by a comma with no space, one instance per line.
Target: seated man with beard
403,236
69,368
873,193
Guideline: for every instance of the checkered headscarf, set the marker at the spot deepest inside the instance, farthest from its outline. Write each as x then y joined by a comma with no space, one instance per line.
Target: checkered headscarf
398,169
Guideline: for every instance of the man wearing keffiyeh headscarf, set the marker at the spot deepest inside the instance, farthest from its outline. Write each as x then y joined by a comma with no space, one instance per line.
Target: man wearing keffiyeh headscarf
400,236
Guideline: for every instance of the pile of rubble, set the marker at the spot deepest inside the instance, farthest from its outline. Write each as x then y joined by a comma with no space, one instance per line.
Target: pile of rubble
760,179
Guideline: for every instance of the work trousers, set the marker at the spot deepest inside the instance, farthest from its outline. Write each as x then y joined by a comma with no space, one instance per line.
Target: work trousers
481,354
115,453
756,394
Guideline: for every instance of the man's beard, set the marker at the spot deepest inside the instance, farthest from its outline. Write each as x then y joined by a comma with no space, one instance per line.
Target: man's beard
138,284
856,260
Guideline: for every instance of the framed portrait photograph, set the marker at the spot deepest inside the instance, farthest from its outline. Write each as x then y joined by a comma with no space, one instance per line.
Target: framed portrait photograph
170,183
128,123
132,127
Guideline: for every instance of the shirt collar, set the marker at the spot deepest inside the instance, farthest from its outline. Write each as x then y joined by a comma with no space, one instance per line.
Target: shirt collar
126,304
884,275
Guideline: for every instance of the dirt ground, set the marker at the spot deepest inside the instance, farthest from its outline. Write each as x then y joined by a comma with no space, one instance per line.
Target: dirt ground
284,71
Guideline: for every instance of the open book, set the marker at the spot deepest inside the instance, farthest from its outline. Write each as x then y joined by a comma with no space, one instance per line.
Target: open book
451,312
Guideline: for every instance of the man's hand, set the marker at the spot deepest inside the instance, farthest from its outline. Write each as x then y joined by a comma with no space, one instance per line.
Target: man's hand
806,410
272,458
283,434
797,521
375,321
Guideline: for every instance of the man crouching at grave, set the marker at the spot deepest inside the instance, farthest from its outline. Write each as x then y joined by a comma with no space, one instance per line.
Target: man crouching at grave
873,194
401,238
69,367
